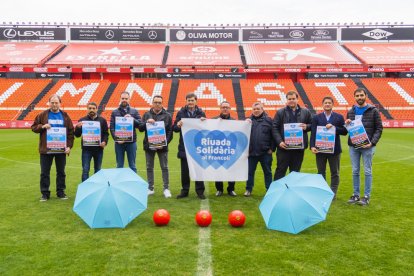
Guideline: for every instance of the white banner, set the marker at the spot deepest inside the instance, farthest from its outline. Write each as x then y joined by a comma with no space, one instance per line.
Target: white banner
216,149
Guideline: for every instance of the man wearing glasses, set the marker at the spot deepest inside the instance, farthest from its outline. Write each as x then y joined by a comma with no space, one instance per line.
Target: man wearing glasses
225,115
155,114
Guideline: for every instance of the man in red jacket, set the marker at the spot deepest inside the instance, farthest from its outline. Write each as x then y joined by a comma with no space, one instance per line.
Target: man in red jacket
49,120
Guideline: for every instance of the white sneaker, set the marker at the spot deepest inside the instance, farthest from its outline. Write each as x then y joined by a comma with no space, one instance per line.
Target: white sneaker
167,193
151,192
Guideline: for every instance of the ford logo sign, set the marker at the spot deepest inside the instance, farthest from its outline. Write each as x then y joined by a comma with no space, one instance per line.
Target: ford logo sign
321,32
296,34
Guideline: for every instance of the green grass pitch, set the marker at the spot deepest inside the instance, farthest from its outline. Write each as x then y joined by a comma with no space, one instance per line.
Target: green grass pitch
49,238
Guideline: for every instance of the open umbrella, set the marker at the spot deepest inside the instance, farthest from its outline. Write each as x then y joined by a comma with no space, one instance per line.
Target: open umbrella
111,198
296,202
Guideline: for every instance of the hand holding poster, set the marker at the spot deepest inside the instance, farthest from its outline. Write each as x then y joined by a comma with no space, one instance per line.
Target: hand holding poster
91,133
156,135
217,150
124,129
325,139
56,140
357,134
293,136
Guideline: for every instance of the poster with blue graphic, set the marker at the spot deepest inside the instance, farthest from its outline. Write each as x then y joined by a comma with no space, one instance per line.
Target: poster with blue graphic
156,135
56,140
124,129
293,136
357,134
91,133
325,139
216,149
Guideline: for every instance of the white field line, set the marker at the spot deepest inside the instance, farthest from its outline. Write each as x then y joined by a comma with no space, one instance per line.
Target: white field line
178,171
204,263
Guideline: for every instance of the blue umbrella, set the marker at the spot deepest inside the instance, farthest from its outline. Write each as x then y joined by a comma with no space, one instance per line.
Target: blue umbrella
111,198
296,202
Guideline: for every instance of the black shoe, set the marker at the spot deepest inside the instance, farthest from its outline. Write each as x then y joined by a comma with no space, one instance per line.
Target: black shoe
363,201
201,196
44,198
232,193
353,199
182,195
62,196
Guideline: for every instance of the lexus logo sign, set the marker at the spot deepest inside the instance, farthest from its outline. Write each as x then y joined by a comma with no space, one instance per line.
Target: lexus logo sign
10,33
109,34
152,35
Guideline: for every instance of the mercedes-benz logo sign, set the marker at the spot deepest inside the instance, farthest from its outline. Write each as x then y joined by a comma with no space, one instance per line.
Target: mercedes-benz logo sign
109,34
152,35
10,33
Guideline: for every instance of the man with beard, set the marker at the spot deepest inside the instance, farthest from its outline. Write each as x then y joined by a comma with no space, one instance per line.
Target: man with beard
329,120
371,120
94,151
190,110
292,113
53,118
225,115
155,114
130,147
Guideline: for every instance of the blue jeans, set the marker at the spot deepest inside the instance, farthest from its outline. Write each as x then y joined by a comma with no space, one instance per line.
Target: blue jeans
131,151
87,156
266,163
367,155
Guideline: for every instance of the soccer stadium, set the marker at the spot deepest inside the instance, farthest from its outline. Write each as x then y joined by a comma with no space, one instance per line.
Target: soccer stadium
240,64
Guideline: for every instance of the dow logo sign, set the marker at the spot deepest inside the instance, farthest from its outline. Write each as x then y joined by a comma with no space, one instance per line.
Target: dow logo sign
377,34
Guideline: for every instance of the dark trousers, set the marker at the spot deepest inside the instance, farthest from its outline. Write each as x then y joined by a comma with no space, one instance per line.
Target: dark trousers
87,156
266,163
46,161
230,186
334,163
288,159
185,180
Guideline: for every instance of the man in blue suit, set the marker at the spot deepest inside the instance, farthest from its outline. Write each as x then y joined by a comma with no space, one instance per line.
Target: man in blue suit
328,119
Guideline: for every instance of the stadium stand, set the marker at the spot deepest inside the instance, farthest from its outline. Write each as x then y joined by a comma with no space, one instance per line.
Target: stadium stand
271,93
210,94
17,94
342,91
396,95
141,92
75,96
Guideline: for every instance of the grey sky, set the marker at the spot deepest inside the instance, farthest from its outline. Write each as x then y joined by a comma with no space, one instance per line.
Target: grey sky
208,11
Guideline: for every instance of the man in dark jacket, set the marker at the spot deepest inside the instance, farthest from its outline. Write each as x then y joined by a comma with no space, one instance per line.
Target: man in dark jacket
191,110
53,118
130,147
292,113
225,115
329,119
261,147
371,120
155,114
92,150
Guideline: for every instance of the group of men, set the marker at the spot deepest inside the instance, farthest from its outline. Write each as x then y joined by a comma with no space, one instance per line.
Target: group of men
267,136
